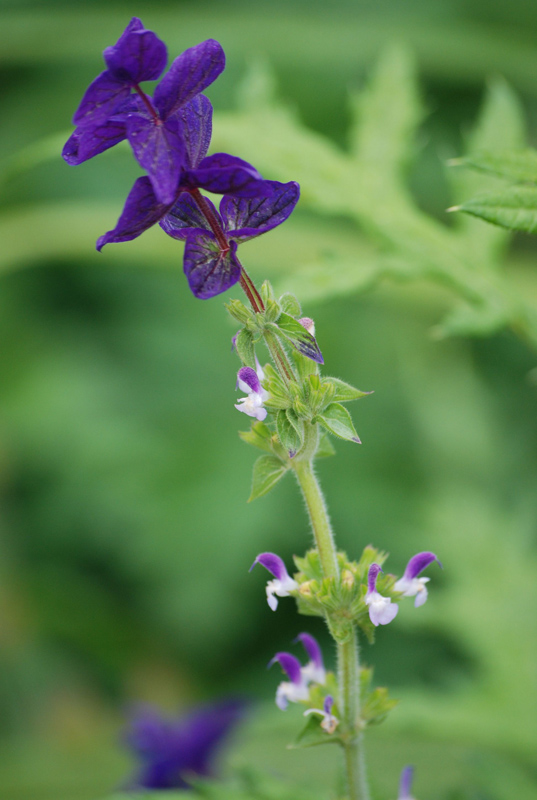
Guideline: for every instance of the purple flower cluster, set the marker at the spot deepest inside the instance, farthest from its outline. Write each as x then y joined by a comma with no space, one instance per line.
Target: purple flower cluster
170,134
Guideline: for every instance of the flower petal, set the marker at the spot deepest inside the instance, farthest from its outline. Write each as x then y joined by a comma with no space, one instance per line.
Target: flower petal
87,142
190,74
418,563
251,216
273,564
290,665
372,574
225,174
195,120
311,646
209,270
103,97
249,379
159,149
141,211
138,55
185,217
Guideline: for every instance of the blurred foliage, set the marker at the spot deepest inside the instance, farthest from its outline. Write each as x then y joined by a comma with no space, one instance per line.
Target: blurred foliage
126,537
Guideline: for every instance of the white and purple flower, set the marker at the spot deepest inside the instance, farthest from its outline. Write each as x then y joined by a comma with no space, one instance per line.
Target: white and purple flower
314,671
381,609
410,585
329,722
249,381
283,584
296,688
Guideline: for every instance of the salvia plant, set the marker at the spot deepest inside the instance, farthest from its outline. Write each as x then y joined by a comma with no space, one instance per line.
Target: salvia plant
294,407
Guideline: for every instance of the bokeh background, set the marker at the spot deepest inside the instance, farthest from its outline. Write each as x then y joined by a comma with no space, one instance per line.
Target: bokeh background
125,533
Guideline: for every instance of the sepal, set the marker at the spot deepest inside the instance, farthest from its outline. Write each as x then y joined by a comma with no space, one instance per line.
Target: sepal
259,436
268,471
267,292
239,311
337,420
290,431
295,333
244,345
290,305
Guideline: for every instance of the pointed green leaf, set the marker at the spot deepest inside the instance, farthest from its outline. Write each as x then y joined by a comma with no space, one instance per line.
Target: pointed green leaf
325,448
337,420
519,166
515,208
344,392
312,735
290,431
268,470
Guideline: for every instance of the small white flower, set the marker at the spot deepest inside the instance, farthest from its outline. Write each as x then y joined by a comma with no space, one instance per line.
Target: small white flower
282,585
381,609
412,586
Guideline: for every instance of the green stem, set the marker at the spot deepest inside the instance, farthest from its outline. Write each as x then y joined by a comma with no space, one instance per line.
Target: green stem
348,663
279,357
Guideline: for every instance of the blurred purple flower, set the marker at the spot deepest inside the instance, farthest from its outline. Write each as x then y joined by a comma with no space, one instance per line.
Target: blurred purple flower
329,722
405,785
171,751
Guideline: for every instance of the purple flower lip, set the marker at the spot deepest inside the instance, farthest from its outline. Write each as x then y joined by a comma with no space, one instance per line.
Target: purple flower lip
282,585
372,575
273,563
290,664
381,609
418,563
312,648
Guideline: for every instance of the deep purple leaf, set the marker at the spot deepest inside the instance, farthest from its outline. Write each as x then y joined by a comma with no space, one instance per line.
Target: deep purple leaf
85,143
159,149
185,217
195,120
103,97
209,270
190,74
246,217
141,211
225,174
138,55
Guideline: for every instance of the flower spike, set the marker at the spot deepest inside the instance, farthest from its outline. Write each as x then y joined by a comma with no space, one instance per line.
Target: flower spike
283,584
296,688
405,784
329,722
410,585
314,670
381,609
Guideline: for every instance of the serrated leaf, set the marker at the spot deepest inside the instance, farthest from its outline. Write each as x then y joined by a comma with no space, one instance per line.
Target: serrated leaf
344,391
386,115
312,735
325,448
268,471
519,166
298,337
514,208
290,431
337,420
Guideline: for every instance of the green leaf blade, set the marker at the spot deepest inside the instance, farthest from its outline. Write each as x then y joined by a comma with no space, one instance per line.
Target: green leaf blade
515,208
268,471
337,420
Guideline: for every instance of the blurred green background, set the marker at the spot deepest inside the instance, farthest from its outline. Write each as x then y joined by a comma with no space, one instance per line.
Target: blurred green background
125,534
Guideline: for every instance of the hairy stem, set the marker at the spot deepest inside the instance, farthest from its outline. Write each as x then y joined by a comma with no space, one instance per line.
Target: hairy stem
348,664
